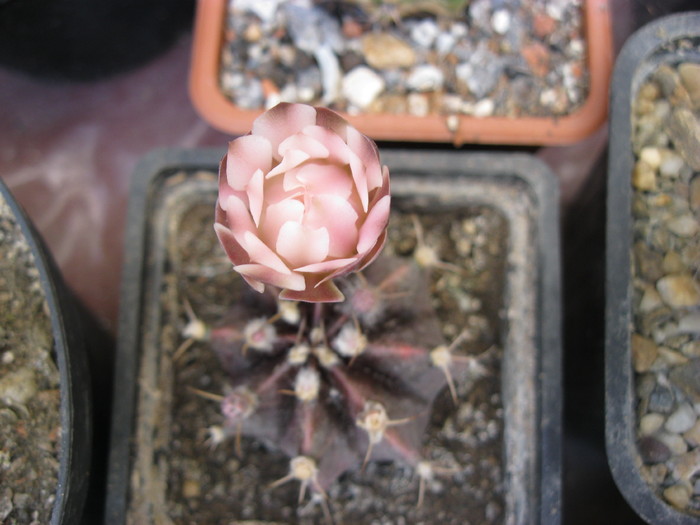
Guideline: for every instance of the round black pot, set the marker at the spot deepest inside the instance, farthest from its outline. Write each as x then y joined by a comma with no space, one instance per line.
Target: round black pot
75,388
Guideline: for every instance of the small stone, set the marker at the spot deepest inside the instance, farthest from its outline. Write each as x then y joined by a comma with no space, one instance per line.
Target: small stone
685,466
652,156
537,57
191,488
385,51
691,349
675,443
425,78
644,352
484,108
690,324
692,435
253,33
650,301
661,399
684,130
682,419
670,357
425,32
644,176
418,104
652,450
500,21
649,262
685,377
673,263
684,226
18,387
678,290
677,495
650,423
362,86
694,196
690,77
671,165
543,25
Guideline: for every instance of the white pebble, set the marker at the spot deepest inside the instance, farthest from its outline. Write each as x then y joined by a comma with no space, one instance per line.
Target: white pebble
362,86
682,419
650,423
484,108
500,21
425,78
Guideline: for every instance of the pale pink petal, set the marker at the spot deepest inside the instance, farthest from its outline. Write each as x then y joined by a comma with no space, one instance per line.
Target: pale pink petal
282,121
339,218
328,266
238,218
319,177
300,246
326,292
359,177
253,283
383,190
276,215
264,274
371,255
233,249
245,156
255,195
275,191
367,151
224,189
374,225
302,142
337,148
331,120
291,160
260,253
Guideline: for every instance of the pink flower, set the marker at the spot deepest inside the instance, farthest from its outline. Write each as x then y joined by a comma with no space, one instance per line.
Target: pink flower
302,199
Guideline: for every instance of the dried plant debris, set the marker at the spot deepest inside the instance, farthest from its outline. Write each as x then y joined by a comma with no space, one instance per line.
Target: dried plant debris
282,418
480,58
29,385
666,273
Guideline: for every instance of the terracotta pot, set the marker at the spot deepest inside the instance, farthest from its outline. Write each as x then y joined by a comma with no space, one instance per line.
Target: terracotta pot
225,116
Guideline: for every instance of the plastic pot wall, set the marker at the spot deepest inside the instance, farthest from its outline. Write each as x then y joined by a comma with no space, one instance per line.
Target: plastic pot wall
642,54
74,377
225,116
537,498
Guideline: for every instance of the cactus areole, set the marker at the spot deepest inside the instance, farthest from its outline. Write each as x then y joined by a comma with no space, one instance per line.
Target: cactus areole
303,206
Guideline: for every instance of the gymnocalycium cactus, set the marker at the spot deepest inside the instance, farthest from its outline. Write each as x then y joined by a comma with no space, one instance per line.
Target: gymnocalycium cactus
329,365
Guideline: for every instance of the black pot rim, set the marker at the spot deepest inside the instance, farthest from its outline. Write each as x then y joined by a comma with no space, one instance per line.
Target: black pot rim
75,402
641,54
539,181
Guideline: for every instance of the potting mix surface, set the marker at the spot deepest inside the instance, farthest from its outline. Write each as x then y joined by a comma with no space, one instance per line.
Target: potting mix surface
666,282
30,424
451,57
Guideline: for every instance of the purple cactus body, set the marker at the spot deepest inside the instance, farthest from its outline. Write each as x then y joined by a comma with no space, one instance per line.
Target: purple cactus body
348,383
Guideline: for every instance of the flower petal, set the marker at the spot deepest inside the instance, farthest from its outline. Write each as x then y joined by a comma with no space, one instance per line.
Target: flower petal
255,195
319,177
291,160
374,225
303,142
265,274
327,266
276,215
367,151
371,255
331,120
233,249
260,253
245,156
326,292
281,121
238,218
299,245
338,216
359,176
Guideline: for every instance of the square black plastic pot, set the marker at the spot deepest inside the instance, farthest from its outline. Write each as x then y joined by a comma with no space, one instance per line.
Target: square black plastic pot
518,187
70,348
650,47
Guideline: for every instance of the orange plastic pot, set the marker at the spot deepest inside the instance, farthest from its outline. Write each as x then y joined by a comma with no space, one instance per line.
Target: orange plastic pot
221,113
